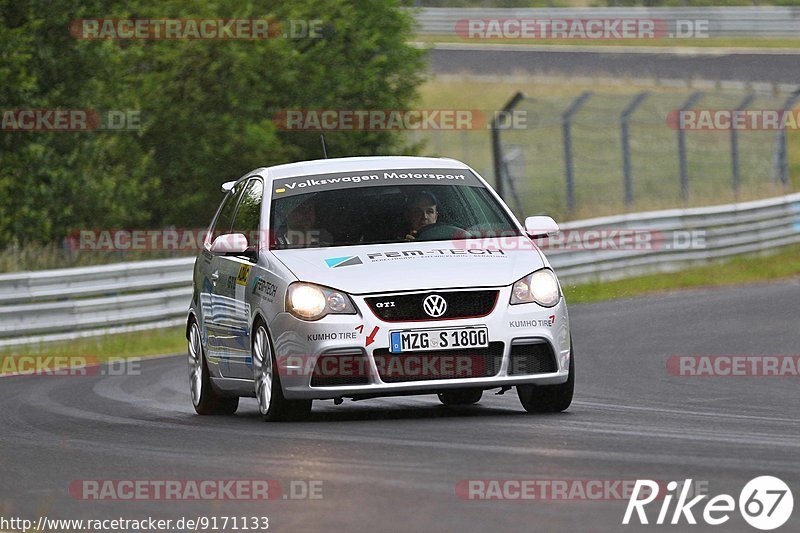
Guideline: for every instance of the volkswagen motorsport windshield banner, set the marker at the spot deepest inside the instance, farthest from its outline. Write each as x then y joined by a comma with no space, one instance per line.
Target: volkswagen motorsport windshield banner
340,180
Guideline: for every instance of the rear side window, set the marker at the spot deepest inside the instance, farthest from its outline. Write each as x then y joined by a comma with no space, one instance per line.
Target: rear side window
248,214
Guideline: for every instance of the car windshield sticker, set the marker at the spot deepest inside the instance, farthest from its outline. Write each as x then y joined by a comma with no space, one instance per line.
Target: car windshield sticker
415,176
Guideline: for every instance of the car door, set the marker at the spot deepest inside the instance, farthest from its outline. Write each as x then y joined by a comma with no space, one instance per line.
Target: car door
235,270
213,294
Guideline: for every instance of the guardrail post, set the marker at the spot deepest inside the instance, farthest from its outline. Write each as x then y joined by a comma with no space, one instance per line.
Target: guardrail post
780,160
566,127
735,147
626,147
497,148
684,167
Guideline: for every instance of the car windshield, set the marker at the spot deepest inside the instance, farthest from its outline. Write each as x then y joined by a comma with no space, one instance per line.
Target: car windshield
385,206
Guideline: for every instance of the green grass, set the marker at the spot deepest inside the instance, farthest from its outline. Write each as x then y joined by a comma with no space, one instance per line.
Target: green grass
711,42
745,269
122,345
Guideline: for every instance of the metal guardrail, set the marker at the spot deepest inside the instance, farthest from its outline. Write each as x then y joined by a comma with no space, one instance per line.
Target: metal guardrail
50,305
95,280
69,303
722,21
722,231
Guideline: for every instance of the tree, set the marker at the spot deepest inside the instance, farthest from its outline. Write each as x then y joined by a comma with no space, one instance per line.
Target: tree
206,106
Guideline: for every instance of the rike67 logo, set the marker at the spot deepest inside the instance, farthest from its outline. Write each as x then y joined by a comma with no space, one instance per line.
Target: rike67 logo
765,503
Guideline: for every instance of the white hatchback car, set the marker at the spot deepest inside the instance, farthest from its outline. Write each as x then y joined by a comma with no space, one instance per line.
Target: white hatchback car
374,276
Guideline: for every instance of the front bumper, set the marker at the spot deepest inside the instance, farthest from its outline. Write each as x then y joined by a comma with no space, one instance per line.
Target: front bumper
299,344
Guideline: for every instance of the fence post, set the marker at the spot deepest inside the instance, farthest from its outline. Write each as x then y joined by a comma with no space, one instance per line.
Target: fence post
511,185
626,147
566,126
497,149
780,160
735,147
684,168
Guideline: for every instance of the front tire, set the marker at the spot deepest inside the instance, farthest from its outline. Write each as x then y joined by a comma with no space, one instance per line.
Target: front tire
460,397
205,399
272,405
549,398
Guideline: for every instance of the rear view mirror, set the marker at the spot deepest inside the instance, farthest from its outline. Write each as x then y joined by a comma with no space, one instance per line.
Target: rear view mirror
541,227
230,243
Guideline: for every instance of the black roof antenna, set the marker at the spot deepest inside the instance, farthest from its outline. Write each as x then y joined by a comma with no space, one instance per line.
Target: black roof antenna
324,151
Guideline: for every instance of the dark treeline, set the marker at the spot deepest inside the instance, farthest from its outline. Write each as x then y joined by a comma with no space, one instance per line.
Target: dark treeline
206,108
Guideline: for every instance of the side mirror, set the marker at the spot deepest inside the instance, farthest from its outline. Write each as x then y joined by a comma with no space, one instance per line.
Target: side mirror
230,243
541,227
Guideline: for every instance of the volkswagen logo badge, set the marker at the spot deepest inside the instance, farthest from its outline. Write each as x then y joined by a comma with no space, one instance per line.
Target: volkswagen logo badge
434,305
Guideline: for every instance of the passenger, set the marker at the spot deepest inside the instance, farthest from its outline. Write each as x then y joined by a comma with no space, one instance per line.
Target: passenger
301,230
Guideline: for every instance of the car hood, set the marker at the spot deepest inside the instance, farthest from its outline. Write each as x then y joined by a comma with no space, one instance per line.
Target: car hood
415,265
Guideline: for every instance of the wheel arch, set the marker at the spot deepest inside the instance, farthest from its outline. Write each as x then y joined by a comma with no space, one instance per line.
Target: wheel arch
258,318
190,317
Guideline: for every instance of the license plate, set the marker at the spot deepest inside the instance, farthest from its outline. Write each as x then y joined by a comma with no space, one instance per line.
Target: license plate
438,339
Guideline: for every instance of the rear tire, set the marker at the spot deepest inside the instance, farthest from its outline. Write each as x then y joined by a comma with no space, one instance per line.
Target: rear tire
549,398
460,397
205,399
272,405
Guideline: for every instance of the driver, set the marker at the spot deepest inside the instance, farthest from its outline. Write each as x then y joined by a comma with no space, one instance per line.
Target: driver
421,211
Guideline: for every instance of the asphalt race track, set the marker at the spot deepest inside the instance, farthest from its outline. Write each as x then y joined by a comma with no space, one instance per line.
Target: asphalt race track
393,464
514,59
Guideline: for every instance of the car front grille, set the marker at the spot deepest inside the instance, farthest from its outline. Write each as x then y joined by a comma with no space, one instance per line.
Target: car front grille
409,307
340,370
537,358
442,364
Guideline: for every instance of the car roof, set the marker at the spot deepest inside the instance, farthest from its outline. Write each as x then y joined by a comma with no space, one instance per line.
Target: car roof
353,164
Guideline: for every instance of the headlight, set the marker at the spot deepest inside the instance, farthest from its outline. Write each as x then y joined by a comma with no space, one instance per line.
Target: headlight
540,287
312,302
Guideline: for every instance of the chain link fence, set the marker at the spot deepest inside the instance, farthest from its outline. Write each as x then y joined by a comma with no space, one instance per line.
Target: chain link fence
596,154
